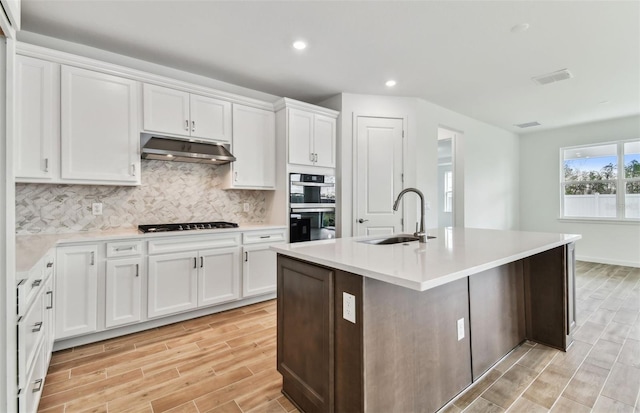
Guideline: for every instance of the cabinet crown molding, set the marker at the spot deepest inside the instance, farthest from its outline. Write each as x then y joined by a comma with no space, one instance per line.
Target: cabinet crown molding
57,56
296,104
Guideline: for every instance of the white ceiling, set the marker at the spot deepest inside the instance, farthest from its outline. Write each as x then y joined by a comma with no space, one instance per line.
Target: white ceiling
458,54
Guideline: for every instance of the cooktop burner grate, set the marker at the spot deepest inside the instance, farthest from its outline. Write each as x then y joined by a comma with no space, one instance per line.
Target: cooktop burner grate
190,226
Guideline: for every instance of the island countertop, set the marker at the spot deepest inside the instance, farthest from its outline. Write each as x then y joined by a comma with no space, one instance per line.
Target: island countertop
454,253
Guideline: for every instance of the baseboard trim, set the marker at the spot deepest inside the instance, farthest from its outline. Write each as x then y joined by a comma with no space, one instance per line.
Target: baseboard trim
600,260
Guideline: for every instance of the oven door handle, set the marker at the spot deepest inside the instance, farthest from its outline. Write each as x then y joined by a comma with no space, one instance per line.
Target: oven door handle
302,210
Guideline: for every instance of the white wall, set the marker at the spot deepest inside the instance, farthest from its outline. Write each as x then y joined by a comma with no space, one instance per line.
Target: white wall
611,243
489,157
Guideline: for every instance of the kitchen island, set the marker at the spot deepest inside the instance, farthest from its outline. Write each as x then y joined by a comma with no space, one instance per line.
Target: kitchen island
406,327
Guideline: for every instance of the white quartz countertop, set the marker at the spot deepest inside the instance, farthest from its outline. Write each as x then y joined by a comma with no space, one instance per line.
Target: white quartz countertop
454,253
30,248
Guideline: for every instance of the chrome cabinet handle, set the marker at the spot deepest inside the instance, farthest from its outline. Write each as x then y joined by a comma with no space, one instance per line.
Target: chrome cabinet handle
93,258
316,157
235,176
137,270
362,221
50,306
49,264
36,283
246,256
39,384
38,327
193,126
195,262
133,169
266,236
311,156
125,249
186,124
46,164
201,262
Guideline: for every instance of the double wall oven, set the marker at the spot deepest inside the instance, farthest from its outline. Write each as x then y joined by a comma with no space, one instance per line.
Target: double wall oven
312,207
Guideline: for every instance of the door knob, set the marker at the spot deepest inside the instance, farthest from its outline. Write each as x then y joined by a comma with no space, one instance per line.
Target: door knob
362,221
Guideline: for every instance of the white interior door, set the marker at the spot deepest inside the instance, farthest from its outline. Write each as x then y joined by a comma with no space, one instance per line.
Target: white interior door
378,175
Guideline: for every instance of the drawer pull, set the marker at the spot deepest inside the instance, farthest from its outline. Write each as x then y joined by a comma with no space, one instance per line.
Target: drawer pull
131,248
93,258
49,264
265,236
195,262
50,306
36,283
38,327
38,383
201,262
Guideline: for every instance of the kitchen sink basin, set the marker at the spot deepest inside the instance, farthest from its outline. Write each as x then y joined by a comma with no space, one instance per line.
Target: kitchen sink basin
396,239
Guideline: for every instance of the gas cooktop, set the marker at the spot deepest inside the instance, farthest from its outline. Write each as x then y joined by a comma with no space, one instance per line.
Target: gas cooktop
186,226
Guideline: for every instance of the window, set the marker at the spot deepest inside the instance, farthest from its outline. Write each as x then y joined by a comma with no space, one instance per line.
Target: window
601,181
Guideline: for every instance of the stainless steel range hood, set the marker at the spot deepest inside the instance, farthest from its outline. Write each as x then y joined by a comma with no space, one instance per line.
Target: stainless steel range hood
165,148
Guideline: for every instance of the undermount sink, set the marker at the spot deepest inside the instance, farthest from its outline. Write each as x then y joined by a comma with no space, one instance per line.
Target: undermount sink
396,239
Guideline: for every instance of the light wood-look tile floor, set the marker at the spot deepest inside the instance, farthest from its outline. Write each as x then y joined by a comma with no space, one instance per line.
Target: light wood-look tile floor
225,363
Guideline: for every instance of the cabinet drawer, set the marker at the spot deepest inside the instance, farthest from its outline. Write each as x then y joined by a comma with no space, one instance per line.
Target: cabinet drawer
30,392
31,330
259,237
29,286
124,248
194,243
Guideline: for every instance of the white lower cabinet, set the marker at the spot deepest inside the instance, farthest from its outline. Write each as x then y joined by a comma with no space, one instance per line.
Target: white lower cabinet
259,270
35,330
218,276
76,297
123,291
173,283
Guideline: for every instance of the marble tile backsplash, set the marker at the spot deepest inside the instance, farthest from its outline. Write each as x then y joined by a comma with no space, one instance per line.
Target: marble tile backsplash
170,192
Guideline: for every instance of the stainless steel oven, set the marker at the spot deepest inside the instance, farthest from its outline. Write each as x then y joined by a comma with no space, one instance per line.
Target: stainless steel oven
312,207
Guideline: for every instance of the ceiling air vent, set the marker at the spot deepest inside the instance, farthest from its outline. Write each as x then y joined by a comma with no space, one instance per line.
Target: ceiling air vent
528,124
552,77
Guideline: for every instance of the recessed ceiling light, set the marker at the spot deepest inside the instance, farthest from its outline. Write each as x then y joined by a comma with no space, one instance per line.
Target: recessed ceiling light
299,45
390,83
519,28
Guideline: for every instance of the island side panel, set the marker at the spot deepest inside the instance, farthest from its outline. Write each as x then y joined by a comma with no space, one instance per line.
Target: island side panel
305,334
413,360
546,301
348,346
496,301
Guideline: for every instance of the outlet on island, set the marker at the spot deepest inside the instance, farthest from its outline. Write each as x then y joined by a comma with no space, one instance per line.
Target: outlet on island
349,307
96,208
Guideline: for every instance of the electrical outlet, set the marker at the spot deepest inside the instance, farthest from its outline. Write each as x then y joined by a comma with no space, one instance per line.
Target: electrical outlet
349,307
460,329
246,207
96,208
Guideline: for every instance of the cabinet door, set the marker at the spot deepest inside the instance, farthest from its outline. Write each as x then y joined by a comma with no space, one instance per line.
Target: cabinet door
259,270
305,334
210,118
173,283
123,291
166,110
254,146
218,276
35,117
324,141
76,298
99,140
300,137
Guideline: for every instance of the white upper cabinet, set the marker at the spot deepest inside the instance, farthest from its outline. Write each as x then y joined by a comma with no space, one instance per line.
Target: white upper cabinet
324,138
300,137
180,113
99,127
37,103
254,146
310,133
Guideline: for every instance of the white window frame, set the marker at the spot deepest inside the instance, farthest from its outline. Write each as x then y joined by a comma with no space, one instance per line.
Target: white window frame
620,182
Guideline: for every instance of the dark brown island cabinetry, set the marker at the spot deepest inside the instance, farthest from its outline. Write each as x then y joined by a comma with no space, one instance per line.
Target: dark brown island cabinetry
409,350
